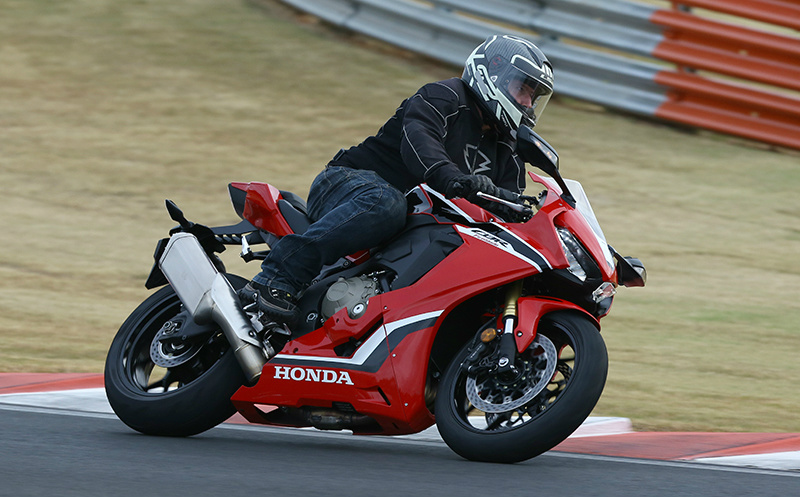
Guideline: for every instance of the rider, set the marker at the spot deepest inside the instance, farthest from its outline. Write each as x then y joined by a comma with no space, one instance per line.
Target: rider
457,135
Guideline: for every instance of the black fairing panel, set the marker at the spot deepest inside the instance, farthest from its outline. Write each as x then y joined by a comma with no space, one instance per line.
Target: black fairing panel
237,199
417,251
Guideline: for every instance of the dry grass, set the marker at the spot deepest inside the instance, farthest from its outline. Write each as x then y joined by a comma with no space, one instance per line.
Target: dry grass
109,107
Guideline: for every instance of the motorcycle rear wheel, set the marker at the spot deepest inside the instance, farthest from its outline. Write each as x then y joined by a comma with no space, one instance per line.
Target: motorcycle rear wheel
543,422
178,401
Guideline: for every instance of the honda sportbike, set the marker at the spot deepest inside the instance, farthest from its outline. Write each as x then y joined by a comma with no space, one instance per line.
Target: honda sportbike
488,329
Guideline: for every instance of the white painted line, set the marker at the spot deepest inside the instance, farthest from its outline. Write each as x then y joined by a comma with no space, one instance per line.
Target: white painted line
56,411
84,400
598,426
776,460
672,464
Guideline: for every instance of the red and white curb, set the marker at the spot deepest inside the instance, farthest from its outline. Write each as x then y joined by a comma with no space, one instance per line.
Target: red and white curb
602,436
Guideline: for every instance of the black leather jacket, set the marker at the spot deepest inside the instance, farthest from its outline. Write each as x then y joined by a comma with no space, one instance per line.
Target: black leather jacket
434,135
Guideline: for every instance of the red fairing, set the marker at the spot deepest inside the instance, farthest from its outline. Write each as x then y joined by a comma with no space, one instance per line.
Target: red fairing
261,209
473,211
308,373
546,182
531,309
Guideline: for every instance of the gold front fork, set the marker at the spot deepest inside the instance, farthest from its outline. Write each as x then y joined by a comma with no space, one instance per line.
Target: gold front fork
512,296
508,344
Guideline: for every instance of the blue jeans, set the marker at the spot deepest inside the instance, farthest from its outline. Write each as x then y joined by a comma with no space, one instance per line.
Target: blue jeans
350,210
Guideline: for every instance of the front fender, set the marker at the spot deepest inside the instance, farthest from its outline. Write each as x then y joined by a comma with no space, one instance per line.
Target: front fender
530,311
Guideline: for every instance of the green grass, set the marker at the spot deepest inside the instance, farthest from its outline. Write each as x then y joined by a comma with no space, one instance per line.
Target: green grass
107,108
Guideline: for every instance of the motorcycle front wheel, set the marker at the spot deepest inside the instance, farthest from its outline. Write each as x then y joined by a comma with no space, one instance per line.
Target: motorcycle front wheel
189,391
512,417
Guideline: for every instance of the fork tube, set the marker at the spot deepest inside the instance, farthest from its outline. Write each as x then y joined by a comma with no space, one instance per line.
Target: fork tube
508,345
512,296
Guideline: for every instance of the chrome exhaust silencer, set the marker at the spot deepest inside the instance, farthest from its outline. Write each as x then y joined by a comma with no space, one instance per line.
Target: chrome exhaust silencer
208,296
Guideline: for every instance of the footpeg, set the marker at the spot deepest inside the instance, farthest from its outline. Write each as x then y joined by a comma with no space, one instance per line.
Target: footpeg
274,338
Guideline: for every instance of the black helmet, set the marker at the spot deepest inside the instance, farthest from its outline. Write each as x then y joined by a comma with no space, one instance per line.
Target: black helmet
497,63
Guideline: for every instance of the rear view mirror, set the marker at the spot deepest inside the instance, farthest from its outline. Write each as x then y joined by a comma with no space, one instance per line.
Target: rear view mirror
532,149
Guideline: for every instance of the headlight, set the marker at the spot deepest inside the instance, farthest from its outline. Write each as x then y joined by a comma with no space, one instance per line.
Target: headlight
574,252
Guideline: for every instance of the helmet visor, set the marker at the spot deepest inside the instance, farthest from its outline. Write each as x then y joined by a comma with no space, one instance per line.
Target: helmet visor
530,96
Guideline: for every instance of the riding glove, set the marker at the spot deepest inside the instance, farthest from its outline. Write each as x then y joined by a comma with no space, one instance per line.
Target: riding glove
468,186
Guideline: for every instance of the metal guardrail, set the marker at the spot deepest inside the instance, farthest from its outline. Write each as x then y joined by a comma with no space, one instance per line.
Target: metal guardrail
618,53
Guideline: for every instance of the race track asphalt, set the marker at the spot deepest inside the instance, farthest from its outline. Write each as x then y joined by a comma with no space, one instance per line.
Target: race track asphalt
599,436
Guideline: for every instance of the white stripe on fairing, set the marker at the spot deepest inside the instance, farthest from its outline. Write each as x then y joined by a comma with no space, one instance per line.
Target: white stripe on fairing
372,343
453,206
524,243
471,232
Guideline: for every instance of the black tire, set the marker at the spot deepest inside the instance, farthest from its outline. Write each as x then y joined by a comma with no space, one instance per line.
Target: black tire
542,423
175,401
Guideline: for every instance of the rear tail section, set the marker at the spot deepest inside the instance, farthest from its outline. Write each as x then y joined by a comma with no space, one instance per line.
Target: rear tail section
267,208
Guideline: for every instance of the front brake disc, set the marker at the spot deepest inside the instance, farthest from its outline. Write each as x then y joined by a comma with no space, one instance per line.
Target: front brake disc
491,394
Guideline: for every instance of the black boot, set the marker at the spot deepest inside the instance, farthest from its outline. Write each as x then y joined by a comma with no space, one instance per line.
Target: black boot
276,305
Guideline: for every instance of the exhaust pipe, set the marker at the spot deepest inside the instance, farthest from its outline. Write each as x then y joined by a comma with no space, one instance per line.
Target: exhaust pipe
208,296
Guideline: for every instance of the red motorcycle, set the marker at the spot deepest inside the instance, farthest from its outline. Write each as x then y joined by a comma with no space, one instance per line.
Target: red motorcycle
489,329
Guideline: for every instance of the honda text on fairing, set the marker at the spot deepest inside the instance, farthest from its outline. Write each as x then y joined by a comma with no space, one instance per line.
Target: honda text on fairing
489,329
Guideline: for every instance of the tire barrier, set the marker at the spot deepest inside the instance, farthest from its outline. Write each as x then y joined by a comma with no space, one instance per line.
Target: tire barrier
731,66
